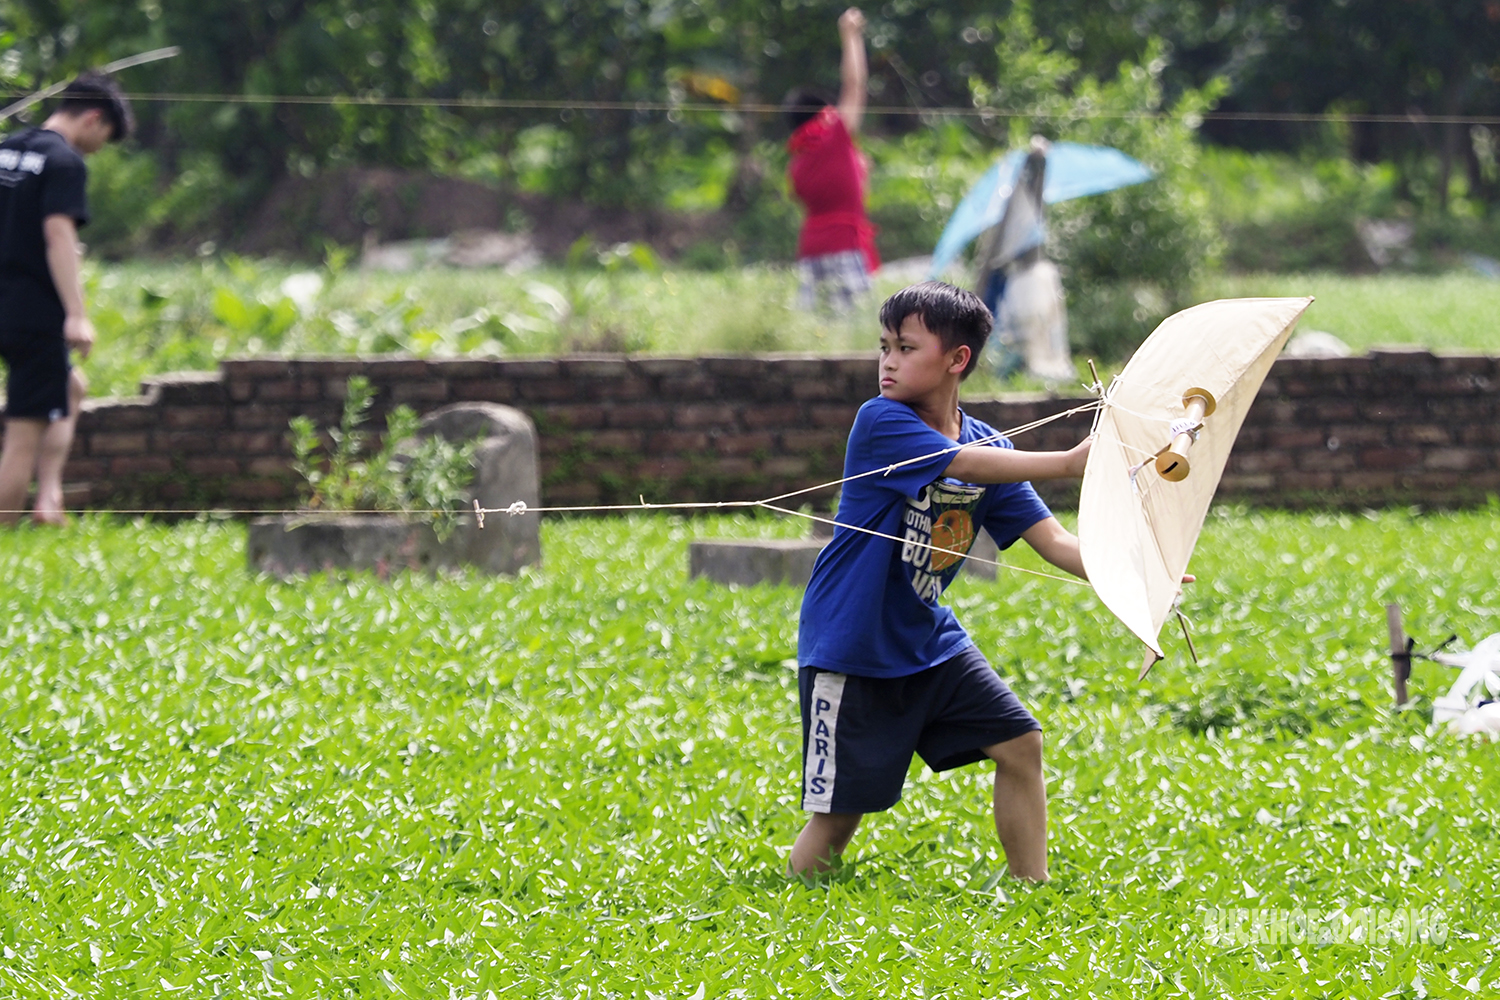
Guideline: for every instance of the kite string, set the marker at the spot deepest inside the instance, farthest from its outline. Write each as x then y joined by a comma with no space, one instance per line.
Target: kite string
520,507
918,545
371,99
1127,446
771,503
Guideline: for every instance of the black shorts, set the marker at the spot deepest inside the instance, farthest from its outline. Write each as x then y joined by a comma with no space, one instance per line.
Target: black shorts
36,386
858,733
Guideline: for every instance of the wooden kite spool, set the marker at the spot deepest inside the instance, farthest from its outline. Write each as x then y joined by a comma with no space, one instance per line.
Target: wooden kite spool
1172,463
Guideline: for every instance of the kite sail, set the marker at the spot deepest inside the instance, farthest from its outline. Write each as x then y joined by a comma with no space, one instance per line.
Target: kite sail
1073,171
1163,435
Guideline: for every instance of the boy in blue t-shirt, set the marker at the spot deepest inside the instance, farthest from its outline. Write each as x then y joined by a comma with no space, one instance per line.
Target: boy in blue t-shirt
885,669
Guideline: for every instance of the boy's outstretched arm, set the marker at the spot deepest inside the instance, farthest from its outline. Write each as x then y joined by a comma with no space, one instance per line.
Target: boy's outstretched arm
1059,546
1056,544
853,71
984,464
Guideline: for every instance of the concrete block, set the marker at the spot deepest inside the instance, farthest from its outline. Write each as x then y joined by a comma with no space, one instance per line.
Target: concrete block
787,561
186,388
296,546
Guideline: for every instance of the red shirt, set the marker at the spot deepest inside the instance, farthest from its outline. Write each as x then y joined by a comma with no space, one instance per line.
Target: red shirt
828,176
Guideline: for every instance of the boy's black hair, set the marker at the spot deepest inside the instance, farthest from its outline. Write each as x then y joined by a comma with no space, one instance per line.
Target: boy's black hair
802,105
957,316
97,90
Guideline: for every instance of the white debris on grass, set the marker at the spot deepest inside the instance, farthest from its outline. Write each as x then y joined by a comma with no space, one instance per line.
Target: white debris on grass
303,288
1315,344
1469,706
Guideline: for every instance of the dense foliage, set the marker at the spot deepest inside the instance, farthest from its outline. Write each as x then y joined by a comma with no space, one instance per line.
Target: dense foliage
408,473
1385,56
581,782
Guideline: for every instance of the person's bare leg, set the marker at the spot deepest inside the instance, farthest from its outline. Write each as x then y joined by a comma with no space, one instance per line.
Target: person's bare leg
23,439
823,838
1021,805
53,455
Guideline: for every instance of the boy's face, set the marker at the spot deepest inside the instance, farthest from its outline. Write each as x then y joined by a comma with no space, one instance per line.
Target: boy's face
914,365
94,131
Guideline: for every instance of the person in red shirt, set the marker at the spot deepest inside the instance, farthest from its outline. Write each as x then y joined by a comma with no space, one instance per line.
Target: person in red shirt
836,250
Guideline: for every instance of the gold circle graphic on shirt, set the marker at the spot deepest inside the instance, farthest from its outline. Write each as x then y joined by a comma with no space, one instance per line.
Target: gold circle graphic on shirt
953,530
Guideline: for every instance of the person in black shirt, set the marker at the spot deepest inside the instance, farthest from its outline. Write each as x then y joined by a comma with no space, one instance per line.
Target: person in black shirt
42,204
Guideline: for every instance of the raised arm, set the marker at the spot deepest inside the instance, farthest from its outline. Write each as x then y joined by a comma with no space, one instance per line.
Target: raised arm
983,464
854,74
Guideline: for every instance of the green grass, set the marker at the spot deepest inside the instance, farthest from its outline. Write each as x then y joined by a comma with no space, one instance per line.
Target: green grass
581,782
163,317
156,317
1450,311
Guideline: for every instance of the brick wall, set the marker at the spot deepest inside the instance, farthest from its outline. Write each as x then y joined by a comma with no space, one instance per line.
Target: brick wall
1394,426
1391,427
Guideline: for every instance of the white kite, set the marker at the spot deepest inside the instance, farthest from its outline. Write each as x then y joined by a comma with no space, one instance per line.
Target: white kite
1162,437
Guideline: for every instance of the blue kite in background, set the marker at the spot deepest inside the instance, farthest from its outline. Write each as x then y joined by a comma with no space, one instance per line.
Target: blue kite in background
1006,208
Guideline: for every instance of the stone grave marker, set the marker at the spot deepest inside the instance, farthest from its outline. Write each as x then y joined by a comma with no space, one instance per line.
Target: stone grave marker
505,471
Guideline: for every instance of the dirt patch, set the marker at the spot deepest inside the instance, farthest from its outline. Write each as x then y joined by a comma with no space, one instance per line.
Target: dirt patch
359,205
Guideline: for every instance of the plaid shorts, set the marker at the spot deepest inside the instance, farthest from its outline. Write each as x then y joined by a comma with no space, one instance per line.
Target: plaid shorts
841,276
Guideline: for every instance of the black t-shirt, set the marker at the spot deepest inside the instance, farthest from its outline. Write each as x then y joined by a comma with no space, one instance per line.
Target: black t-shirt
40,175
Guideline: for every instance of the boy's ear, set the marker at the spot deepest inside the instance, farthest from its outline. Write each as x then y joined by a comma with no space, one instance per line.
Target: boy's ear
960,359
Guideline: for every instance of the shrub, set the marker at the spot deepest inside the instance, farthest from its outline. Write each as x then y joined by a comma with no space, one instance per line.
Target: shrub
1149,243
427,476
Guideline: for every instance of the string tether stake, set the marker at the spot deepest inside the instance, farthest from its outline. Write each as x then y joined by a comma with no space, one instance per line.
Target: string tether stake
1097,386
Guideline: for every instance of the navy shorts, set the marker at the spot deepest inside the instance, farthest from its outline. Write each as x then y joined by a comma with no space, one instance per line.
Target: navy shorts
858,733
36,386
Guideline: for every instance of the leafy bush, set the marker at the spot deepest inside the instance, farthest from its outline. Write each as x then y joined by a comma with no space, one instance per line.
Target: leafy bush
135,209
918,179
427,476
1284,213
1150,242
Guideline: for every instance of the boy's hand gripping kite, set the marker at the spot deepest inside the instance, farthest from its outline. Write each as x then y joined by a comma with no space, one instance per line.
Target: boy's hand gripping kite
1162,437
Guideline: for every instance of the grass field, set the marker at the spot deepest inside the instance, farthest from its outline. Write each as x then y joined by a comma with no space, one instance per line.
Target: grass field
1456,311
581,782
163,317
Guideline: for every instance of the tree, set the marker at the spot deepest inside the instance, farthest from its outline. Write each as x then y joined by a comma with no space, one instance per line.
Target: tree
1129,257
1413,58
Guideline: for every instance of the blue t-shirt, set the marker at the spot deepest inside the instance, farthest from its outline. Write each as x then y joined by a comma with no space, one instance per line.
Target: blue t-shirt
872,607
